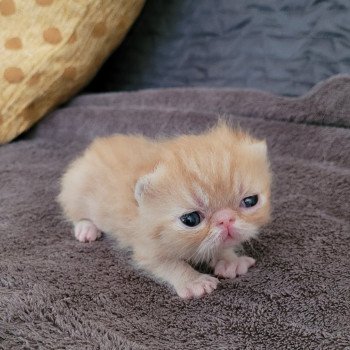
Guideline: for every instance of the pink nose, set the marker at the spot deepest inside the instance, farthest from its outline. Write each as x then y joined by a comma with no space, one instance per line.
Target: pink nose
224,217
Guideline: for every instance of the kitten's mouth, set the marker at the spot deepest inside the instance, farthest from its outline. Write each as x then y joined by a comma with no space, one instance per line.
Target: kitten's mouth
230,236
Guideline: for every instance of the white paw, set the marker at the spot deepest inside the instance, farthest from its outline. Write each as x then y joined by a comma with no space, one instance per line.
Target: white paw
202,285
86,231
233,268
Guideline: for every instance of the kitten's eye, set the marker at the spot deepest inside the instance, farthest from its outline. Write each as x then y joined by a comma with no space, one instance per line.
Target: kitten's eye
250,201
191,219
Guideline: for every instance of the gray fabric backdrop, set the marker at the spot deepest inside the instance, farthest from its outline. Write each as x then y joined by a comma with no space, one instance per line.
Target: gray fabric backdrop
280,46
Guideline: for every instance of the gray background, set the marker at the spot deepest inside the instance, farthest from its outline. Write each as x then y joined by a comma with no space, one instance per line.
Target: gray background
283,47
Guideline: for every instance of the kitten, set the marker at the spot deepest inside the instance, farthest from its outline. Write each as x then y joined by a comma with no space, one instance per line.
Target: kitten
186,199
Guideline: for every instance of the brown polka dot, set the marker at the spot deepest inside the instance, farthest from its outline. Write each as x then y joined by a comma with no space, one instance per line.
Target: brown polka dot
13,75
122,25
99,59
44,2
13,43
34,79
29,113
7,7
73,38
70,73
100,29
52,35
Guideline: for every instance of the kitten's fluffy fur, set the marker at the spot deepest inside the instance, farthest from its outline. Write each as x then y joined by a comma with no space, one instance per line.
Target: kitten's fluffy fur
137,189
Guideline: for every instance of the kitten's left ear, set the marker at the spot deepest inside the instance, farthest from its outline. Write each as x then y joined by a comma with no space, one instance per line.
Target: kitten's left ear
146,183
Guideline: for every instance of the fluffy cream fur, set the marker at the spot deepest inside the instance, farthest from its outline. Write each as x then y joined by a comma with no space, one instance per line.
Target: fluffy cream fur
137,189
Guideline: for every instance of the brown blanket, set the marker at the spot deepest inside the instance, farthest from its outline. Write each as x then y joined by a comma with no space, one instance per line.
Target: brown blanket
57,293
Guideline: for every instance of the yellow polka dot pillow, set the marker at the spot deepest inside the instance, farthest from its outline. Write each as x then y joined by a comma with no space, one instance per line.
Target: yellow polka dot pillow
49,49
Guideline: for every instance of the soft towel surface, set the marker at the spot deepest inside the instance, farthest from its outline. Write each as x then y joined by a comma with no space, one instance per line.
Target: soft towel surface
57,293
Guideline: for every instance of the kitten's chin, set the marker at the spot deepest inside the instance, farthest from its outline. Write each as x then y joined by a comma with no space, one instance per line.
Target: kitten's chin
220,239
233,241
230,242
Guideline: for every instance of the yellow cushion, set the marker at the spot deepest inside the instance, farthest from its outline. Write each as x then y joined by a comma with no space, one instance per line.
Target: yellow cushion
49,49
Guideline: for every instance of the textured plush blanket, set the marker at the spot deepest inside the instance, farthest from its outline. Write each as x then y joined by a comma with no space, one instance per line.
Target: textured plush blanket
57,293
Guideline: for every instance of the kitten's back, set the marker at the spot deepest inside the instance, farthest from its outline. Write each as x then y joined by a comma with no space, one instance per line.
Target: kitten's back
99,185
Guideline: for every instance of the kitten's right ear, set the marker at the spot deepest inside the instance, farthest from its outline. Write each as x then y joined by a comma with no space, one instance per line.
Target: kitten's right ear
260,148
146,183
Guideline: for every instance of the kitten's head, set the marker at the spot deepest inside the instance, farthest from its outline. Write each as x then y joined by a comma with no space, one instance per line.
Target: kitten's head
209,191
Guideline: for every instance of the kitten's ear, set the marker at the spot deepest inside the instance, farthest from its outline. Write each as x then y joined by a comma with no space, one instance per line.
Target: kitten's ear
259,148
146,183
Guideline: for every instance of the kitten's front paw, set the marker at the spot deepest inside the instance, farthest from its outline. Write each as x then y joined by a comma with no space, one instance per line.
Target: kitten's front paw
86,231
202,285
233,268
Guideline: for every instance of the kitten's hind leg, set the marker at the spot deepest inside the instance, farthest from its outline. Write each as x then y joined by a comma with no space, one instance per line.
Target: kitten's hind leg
86,231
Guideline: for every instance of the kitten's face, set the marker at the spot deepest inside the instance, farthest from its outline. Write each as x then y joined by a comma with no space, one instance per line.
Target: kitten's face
211,191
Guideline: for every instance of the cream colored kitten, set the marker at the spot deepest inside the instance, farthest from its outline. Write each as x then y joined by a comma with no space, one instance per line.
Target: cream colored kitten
186,199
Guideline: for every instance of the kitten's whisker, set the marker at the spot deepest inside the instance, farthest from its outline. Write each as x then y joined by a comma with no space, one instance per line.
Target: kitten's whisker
208,248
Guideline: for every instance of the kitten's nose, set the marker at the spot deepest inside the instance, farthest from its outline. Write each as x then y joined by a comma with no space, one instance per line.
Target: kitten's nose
224,217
